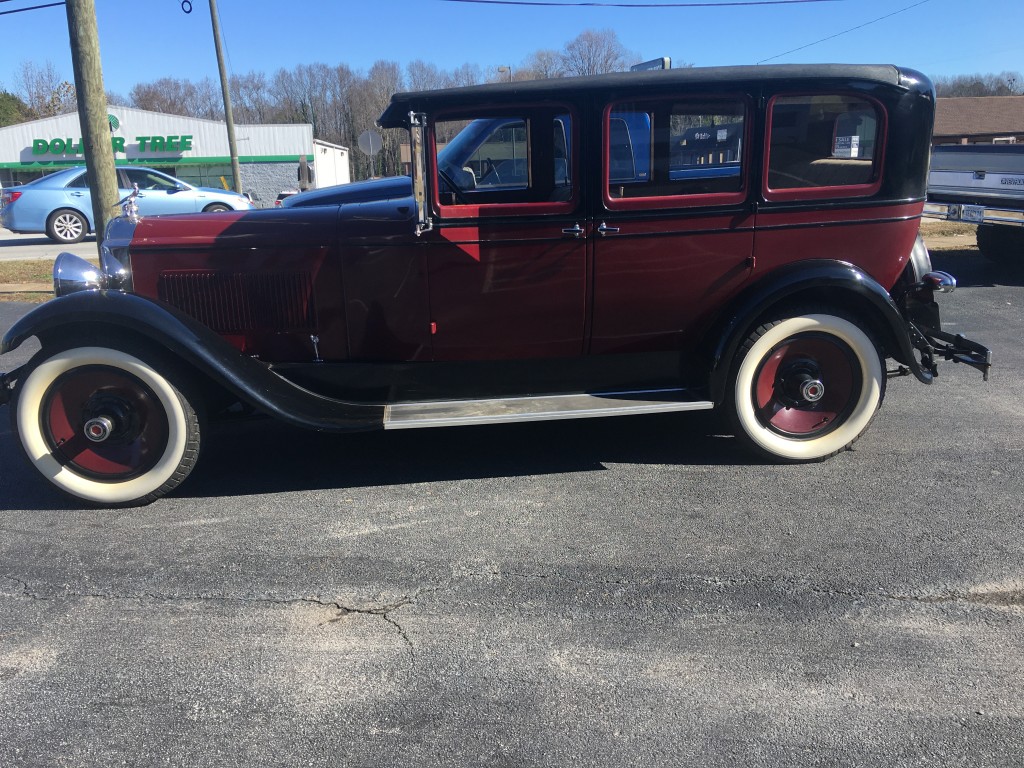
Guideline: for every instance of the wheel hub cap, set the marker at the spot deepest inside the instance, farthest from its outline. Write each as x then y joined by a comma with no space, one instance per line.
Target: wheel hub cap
812,391
98,429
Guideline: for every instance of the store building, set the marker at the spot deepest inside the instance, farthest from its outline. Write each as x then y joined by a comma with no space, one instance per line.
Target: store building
272,158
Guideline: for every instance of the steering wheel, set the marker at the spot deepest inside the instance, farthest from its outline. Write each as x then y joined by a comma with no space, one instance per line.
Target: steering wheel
456,190
492,168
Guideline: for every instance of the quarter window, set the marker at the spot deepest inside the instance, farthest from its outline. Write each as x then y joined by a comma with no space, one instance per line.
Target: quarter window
685,152
823,141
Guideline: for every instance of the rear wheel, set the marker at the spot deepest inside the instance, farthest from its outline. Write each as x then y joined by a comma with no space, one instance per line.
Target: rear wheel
1003,244
805,387
104,425
67,226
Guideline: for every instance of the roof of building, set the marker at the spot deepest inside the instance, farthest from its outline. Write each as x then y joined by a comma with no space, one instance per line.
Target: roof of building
979,116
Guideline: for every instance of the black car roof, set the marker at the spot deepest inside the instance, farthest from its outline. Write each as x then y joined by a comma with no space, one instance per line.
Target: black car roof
402,103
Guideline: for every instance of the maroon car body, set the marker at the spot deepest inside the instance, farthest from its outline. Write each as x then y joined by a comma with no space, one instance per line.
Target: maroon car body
633,243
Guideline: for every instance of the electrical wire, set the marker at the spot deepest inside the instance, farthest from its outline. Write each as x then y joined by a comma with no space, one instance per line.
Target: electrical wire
32,8
851,29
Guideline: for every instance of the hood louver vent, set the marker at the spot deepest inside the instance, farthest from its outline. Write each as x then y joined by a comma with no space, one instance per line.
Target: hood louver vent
242,302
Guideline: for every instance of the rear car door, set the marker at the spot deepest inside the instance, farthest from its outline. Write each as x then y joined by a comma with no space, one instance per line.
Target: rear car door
673,228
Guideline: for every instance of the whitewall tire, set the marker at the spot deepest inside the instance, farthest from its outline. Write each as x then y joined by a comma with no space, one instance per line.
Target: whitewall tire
805,387
105,426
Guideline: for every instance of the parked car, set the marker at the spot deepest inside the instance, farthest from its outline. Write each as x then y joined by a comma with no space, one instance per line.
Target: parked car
283,195
576,249
60,204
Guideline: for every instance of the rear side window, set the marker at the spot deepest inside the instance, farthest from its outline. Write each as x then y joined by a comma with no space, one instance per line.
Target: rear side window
675,152
827,143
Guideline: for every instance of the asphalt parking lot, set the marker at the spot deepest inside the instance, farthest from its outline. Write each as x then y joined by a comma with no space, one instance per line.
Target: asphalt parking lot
614,592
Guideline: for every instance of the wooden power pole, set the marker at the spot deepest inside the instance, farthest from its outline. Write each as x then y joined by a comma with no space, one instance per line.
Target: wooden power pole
236,173
92,111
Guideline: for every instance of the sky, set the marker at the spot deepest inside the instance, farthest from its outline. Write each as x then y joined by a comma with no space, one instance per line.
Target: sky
144,40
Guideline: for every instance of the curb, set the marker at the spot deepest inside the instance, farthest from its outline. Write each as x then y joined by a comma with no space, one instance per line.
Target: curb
26,288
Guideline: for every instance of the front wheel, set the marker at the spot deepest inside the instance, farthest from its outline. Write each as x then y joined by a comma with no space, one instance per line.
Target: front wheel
805,387
104,425
216,208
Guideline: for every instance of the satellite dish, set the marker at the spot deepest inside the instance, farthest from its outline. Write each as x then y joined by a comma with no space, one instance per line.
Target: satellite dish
370,142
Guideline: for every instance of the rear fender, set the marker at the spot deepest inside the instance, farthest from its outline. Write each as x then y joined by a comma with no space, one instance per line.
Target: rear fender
197,346
820,281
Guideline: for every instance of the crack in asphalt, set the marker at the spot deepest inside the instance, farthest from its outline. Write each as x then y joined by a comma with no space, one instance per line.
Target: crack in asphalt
382,611
994,598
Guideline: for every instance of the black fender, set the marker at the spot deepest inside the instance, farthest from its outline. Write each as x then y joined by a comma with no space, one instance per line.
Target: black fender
824,280
250,380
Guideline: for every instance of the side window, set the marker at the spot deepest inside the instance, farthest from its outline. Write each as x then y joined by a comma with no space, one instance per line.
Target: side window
825,141
81,181
498,160
678,151
148,180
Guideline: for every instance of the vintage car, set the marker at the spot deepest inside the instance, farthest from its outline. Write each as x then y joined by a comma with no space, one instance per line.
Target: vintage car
736,238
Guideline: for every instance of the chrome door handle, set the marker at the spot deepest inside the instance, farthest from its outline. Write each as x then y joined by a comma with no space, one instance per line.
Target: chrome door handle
575,231
604,229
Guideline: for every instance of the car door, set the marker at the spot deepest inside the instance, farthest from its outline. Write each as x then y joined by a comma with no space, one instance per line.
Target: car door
673,229
506,258
77,195
159,193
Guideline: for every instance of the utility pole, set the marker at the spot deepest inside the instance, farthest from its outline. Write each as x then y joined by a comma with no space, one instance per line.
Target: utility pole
92,111
236,172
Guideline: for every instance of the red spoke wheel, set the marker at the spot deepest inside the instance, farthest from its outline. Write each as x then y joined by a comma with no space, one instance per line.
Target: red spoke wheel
104,425
806,387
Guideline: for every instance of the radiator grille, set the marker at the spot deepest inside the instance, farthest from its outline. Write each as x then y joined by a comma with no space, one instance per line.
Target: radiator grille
241,302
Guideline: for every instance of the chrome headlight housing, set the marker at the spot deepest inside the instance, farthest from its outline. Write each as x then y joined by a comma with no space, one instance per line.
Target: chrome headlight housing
72,274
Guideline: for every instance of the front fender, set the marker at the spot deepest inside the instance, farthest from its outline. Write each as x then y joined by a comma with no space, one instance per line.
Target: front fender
195,344
819,281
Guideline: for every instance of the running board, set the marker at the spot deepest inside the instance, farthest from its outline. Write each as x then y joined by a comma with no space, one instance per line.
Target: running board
455,413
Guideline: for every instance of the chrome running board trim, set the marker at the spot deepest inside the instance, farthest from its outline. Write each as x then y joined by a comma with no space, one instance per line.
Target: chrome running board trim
455,413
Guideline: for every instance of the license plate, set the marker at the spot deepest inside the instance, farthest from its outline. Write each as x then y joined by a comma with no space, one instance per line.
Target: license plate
972,213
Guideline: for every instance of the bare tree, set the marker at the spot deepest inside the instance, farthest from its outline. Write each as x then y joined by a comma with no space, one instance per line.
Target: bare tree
542,65
44,91
370,97
1003,84
595,53
423,76
250,99
180,97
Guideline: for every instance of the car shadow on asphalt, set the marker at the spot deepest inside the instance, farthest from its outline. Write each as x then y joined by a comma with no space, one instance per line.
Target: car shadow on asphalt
258,455
263,456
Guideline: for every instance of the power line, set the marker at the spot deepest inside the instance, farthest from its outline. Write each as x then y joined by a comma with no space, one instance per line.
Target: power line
851,29
596,4
22,10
